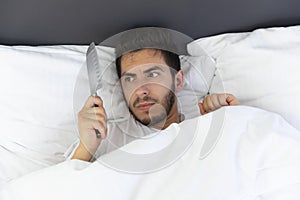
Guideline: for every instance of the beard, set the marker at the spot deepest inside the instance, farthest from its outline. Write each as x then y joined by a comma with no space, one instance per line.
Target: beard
158,115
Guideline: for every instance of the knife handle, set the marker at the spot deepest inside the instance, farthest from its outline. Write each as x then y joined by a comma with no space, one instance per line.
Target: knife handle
98,134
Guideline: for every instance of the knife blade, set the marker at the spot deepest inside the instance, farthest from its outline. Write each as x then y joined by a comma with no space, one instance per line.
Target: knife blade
93,73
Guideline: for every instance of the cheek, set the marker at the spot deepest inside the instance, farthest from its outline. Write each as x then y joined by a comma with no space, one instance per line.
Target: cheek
158,93
126,94
128,98
160,90
129,93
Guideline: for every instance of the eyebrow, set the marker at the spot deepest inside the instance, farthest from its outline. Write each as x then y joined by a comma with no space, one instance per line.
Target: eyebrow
145,72
127,74
153,68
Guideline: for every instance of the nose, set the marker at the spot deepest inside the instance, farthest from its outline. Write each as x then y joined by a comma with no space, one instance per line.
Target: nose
142,91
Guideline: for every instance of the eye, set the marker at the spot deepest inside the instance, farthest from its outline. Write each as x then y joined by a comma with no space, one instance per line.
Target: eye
153,74
128,79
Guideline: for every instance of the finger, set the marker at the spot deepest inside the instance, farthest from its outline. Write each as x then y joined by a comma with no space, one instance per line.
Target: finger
222,99
90,114
96,110
101,127
90,121
215,101
207,104
92,101
202,111
96,117
232,100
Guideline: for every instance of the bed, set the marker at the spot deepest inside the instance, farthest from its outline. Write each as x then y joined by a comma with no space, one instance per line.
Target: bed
250,49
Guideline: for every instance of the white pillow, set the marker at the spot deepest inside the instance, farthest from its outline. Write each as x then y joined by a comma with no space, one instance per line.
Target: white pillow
262,68
36,106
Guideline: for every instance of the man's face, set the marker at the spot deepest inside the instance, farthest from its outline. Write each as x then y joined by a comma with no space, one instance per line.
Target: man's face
147,85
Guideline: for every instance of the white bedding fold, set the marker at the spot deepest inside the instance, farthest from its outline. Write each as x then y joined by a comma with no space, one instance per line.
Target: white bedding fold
255,156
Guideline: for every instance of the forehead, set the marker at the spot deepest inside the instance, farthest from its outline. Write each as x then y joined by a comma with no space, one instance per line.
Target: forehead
140,58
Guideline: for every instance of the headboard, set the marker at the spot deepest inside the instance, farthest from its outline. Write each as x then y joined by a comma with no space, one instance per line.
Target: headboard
34,22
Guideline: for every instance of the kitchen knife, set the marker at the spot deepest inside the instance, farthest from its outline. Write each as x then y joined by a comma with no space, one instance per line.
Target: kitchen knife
93,73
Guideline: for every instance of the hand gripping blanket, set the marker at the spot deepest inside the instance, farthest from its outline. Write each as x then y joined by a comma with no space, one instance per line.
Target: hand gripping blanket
234,153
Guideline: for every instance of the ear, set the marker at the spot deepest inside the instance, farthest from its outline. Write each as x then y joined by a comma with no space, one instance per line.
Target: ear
179,81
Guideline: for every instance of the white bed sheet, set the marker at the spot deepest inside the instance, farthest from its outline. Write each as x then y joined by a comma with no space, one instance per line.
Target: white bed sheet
256,156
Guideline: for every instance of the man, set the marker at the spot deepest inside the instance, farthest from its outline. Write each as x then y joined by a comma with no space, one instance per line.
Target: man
150,78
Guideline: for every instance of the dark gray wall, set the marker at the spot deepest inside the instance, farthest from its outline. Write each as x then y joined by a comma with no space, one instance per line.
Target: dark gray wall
40,22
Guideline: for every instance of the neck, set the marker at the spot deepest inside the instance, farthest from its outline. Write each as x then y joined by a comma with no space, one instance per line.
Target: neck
173,117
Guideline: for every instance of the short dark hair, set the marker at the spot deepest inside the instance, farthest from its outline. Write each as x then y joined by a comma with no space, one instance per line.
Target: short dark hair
171,59
158,39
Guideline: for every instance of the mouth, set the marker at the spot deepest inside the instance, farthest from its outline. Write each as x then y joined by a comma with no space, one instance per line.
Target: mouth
145,106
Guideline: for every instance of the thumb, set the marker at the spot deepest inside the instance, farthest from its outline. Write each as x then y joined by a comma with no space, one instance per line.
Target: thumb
201,107
231,100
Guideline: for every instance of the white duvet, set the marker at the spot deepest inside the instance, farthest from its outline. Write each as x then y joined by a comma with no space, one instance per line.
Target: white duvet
236,153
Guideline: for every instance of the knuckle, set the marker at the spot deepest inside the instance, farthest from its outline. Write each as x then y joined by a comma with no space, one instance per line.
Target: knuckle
213,96
220,96
90,97
99,117
211,108
96,109
98,99
80,114
100,109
